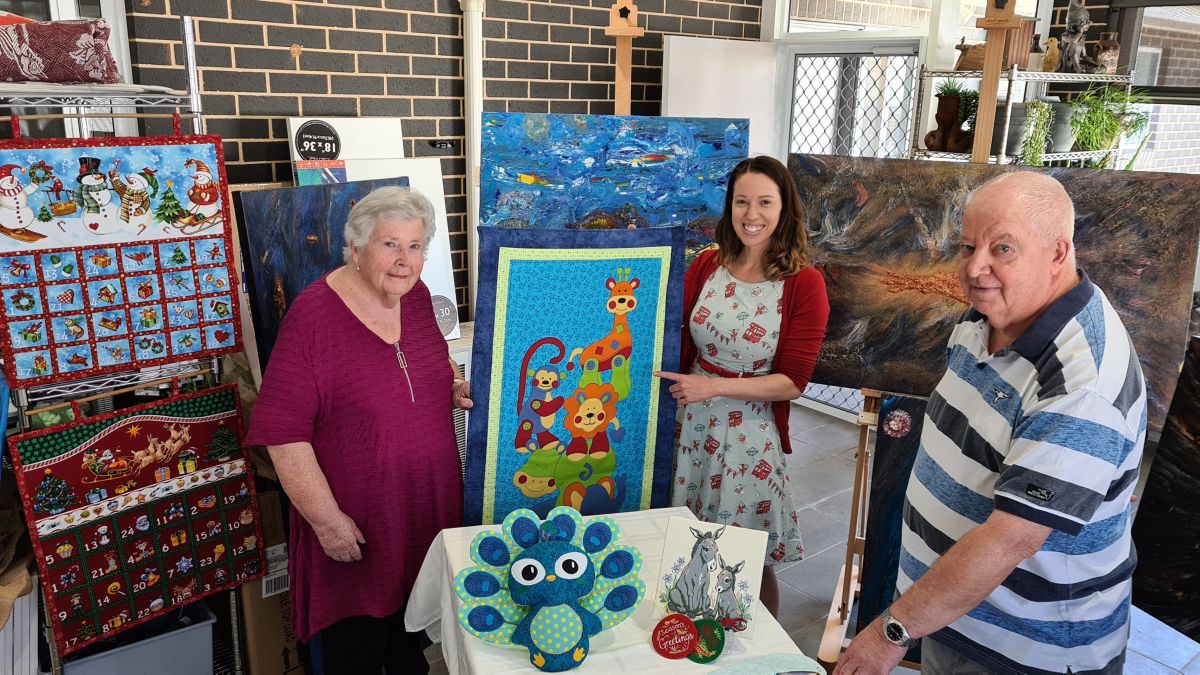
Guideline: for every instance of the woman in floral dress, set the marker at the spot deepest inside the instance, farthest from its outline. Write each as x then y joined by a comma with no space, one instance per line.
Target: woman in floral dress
756,313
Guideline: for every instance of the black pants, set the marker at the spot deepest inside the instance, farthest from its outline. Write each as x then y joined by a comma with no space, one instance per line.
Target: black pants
364,645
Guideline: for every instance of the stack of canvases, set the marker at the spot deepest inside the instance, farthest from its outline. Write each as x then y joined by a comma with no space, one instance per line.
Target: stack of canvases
116,255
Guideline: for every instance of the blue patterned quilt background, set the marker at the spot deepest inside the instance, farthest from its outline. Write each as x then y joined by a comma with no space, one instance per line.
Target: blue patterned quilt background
607,171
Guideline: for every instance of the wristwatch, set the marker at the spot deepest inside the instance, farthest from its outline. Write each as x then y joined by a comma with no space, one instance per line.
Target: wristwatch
894,631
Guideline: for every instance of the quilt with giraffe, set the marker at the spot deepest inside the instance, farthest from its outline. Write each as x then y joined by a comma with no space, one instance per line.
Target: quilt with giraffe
570,326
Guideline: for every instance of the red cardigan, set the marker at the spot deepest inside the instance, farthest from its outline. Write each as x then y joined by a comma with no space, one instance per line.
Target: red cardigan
801,331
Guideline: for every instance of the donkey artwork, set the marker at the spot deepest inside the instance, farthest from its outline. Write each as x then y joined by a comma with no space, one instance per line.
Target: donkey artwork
729,608
689,595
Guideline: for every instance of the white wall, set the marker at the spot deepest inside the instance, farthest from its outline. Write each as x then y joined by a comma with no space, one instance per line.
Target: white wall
706,77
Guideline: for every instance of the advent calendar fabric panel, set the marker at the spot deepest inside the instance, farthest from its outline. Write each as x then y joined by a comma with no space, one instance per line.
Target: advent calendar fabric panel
115,254
140,511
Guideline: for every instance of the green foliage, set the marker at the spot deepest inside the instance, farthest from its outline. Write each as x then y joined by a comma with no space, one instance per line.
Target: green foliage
950,88
1103,115
1038,123
968,106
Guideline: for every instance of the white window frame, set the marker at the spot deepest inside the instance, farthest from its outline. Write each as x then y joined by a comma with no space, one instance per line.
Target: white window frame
852,42
935,51
112,11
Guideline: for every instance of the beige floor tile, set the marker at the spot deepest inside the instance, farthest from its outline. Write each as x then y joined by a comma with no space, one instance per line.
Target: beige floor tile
797,608
817,575
813,482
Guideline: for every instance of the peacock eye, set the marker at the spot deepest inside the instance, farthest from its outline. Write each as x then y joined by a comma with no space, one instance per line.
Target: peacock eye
528,571
571,565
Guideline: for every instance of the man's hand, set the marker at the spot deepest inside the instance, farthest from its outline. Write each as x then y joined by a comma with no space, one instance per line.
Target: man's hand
690,388
870,654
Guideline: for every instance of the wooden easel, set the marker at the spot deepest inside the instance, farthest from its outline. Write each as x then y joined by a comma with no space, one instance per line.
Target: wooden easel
834,640
623,25
998,19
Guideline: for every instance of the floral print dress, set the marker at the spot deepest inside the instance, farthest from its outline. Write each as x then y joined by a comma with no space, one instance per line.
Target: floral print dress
730,468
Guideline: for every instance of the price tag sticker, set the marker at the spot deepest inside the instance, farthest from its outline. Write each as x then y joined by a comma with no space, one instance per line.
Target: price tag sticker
316,139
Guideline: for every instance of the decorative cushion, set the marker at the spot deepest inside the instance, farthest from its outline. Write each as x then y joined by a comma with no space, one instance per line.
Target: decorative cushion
57,51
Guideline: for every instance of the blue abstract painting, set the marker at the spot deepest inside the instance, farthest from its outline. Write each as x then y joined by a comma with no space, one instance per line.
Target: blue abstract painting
569,328
292,236
607,172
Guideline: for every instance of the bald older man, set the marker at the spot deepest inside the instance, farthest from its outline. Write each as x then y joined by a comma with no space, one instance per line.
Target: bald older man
1016,550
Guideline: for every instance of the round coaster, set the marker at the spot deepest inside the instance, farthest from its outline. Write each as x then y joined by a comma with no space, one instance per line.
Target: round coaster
710,641
674,637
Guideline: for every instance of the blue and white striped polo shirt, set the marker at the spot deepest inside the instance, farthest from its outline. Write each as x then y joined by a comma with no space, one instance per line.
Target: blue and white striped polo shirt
1050,429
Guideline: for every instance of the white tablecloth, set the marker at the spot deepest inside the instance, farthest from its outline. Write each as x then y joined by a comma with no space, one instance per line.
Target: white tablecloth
434,607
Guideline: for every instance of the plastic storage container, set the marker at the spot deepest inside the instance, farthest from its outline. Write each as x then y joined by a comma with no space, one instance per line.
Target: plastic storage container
183,651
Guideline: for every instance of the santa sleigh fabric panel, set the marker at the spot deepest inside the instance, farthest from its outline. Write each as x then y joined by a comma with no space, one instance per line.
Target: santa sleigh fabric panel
569,327
114,254
139,512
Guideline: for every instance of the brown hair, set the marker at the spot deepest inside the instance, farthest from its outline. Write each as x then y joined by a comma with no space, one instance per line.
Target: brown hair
788,251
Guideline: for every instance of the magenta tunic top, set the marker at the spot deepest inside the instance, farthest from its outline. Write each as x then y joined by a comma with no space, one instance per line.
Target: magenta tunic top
388,452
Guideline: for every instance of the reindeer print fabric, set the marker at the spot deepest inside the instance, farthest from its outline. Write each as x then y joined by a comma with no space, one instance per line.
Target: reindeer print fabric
569,327
115,254
139,512
730,467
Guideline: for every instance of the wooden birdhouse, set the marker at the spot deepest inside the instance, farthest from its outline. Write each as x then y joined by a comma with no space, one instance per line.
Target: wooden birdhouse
623,19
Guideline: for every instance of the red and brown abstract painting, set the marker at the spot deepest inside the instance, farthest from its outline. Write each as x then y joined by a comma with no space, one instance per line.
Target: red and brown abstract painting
886,238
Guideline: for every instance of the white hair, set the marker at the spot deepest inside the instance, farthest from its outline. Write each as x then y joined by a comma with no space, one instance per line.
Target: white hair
386,203
1050,209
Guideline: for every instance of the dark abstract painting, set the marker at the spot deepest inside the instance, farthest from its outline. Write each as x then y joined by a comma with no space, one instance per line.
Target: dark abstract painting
290,237
886,234
897,439
1166,530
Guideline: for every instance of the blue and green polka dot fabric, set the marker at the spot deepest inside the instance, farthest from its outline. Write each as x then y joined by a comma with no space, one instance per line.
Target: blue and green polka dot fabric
549,585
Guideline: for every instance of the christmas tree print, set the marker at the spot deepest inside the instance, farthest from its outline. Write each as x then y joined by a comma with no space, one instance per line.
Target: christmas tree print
169,209
43,214
178,257
224,443
53,495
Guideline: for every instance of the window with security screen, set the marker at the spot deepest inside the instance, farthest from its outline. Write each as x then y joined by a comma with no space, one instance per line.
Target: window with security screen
853,104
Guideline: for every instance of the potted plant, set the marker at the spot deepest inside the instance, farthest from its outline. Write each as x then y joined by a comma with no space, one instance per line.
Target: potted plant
1103,115
1039,120
956,106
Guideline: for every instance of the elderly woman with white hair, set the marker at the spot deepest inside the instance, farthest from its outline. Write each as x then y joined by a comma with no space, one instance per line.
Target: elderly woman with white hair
355,411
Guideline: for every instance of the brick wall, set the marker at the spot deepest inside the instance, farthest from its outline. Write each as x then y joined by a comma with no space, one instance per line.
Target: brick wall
1175,129
263,61
1179,65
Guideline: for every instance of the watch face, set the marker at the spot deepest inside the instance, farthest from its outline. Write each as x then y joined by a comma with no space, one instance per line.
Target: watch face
894,631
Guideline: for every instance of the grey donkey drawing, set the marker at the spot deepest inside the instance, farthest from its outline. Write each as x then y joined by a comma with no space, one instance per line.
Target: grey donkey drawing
728,606
689,595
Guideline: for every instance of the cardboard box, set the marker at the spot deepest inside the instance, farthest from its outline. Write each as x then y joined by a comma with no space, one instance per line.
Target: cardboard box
271,645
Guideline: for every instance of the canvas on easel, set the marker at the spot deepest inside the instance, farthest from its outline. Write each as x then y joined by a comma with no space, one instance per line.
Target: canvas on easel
897,440
900,424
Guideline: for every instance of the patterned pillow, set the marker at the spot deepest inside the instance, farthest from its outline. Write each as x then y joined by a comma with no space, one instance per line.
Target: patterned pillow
57,51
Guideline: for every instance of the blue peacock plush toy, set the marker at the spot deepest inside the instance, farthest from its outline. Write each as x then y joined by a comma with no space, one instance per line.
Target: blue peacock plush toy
549,585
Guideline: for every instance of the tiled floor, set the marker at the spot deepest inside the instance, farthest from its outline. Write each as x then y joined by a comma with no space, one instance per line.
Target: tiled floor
821,468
